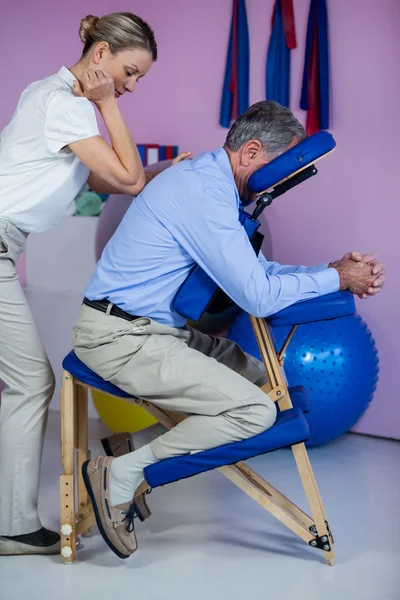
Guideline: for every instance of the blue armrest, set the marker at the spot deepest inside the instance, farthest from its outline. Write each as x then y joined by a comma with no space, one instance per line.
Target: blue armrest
324,308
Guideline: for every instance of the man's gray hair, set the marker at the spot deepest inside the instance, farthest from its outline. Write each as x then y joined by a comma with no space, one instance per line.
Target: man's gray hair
269,122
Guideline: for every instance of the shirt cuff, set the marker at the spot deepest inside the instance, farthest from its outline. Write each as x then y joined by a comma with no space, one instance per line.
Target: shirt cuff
328,281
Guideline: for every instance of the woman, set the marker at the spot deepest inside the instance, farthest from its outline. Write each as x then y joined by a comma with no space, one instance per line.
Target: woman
49,149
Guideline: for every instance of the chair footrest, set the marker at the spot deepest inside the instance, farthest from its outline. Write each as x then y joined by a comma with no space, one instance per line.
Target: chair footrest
290,428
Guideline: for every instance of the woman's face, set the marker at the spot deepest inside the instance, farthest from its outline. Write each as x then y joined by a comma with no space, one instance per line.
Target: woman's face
126,68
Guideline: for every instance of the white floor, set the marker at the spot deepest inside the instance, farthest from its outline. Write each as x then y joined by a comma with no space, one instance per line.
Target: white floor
206,539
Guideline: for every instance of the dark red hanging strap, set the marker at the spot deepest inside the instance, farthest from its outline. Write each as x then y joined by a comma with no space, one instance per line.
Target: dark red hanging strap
288,23
312,122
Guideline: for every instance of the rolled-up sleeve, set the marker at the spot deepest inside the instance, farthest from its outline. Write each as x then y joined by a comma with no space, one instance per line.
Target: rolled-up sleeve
213,236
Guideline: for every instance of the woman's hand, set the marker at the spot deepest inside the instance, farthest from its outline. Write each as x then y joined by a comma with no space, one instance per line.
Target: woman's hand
181,156
96,86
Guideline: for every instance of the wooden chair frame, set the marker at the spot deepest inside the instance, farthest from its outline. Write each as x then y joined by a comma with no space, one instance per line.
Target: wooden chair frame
77,515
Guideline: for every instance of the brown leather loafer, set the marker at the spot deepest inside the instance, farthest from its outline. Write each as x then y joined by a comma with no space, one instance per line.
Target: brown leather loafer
115,523
118,445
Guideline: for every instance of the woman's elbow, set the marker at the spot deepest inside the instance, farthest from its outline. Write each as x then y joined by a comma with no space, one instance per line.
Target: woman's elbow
134,188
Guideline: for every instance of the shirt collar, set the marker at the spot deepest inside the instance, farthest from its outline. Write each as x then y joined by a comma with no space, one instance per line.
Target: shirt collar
222,160
66,76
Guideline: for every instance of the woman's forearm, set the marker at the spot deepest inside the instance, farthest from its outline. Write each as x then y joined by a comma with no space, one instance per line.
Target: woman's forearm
122,141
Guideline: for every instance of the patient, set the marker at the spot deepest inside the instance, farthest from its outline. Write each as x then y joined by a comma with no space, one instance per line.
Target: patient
128,333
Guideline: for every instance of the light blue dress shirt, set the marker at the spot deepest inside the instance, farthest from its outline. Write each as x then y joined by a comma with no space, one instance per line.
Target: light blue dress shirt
189,214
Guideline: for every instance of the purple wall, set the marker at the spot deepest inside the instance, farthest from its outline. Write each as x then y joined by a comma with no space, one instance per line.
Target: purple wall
352,204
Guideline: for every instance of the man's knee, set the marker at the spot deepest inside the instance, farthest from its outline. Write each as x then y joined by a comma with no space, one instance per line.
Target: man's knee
261,416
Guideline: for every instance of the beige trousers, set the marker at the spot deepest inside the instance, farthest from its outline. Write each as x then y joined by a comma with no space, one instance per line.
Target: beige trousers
29,386
209,378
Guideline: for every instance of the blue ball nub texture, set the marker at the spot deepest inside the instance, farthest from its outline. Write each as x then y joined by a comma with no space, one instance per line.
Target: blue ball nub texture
337,361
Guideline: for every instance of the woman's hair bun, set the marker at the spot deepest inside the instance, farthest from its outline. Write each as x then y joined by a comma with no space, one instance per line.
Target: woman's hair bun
86,27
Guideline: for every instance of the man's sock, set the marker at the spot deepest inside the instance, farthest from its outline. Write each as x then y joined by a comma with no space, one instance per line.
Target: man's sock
127,473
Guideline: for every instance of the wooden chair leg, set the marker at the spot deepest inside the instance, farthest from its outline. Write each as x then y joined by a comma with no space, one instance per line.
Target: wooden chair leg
275,494
273,363
84,505
67,480
314,499
265,500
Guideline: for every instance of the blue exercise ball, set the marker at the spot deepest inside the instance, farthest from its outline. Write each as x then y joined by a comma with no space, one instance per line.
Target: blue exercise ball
336,361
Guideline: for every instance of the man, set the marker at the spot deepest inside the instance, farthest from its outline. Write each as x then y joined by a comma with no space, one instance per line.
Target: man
129,334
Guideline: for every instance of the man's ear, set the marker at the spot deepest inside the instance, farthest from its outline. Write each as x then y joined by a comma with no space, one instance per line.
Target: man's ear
251,152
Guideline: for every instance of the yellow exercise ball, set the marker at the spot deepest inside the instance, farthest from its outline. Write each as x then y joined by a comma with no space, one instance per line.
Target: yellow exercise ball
120,415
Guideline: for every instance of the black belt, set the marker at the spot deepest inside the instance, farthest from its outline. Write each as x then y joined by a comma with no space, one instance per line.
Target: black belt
103,305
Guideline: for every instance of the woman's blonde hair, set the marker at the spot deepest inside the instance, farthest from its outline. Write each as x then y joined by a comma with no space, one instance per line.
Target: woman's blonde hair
121,30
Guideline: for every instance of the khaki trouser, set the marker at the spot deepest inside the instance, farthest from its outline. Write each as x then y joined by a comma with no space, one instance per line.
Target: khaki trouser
29,386
209,378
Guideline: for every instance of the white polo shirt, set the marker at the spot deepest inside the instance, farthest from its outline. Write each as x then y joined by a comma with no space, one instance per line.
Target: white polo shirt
39,178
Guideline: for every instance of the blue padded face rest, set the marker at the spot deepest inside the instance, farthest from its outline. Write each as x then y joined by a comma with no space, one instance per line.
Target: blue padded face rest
291,161
78,369
324,308
198,289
